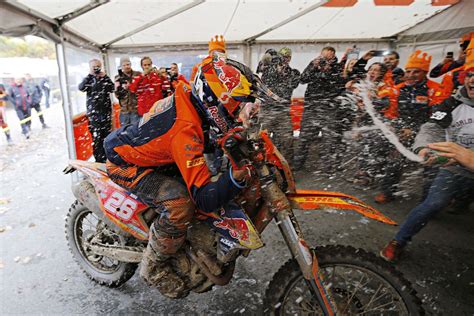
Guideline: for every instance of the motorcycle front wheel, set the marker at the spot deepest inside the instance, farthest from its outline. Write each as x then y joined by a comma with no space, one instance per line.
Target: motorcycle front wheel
82,226
361,284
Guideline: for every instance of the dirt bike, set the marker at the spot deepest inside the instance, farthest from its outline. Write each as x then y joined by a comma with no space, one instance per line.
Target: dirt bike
107,231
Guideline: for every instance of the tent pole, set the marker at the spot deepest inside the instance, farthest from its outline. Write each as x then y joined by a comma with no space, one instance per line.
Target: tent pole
248,54
106,62
67,105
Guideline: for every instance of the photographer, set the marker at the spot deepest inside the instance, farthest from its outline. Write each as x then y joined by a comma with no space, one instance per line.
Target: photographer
391,59
166,85
175,77
282,80
147,86
324,78
98,85
448,62
127,99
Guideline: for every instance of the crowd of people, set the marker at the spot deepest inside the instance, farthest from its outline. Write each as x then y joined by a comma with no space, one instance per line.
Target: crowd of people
136,92
24,94
418,111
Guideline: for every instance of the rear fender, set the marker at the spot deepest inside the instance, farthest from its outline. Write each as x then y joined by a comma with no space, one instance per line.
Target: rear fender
92,170
320,200
105,197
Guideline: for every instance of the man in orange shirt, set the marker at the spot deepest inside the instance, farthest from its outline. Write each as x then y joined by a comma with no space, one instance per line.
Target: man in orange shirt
454,79
411,107
448,64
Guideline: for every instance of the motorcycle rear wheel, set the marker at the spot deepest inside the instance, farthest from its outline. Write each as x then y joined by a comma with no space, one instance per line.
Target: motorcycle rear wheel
360,283
81,226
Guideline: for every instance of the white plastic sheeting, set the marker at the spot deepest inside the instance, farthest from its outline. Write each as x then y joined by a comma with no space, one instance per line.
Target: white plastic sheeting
236,19
458,17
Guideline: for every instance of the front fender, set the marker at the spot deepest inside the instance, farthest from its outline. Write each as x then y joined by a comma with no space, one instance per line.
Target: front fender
312,200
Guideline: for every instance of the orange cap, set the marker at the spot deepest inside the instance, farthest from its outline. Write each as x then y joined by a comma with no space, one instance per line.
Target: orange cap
217,43
421,62
469,56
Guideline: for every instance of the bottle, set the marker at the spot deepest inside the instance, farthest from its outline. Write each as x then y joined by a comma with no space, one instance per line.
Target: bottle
439,159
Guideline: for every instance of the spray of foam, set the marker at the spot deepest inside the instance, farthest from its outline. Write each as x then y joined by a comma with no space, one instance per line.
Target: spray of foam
391,137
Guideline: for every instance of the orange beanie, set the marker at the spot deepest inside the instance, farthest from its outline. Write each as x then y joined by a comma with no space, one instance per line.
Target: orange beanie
421,62
217,43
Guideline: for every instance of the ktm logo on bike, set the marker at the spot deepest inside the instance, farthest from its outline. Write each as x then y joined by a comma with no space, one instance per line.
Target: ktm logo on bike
195,162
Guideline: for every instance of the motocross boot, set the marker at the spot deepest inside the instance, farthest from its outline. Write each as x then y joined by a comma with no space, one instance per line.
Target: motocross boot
155,266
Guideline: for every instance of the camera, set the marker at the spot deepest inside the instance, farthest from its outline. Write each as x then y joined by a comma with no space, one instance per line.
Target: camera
97,70
277,59
171,75
120,79
323,62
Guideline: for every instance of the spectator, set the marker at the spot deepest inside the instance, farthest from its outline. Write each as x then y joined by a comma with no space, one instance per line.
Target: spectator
3,120
19,97
391,59
147,86
127,99
455,78
281,79
324,78
166,85
374,147
35,94
98,87
448,62
44,84
453,121
175,76
413,101
269,58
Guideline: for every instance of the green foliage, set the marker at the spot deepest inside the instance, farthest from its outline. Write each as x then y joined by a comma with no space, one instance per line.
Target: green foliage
19,47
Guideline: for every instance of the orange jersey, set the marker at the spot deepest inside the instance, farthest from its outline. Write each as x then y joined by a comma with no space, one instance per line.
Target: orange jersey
413,102
170,133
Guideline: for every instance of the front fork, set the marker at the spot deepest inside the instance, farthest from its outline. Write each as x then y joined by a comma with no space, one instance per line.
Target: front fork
306,259
279,206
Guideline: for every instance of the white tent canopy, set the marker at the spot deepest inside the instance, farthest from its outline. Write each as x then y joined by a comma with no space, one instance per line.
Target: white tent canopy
127,23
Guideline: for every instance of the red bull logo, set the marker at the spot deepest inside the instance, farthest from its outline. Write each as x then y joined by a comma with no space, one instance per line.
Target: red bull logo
229,76
237,227
214,111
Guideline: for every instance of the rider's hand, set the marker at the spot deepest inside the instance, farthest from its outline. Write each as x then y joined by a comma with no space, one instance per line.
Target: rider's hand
232,144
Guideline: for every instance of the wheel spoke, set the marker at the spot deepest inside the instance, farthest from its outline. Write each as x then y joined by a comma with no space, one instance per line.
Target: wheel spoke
89,227
357,291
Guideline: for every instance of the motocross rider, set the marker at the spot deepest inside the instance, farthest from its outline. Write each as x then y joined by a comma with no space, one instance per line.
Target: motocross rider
174,133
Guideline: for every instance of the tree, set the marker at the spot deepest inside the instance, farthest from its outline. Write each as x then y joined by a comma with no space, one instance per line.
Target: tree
29,47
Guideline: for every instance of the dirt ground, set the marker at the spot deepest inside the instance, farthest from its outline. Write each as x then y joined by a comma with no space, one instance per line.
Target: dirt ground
39,276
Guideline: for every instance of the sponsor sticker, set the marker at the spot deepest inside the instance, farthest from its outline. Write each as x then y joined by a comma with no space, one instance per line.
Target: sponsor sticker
195,162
